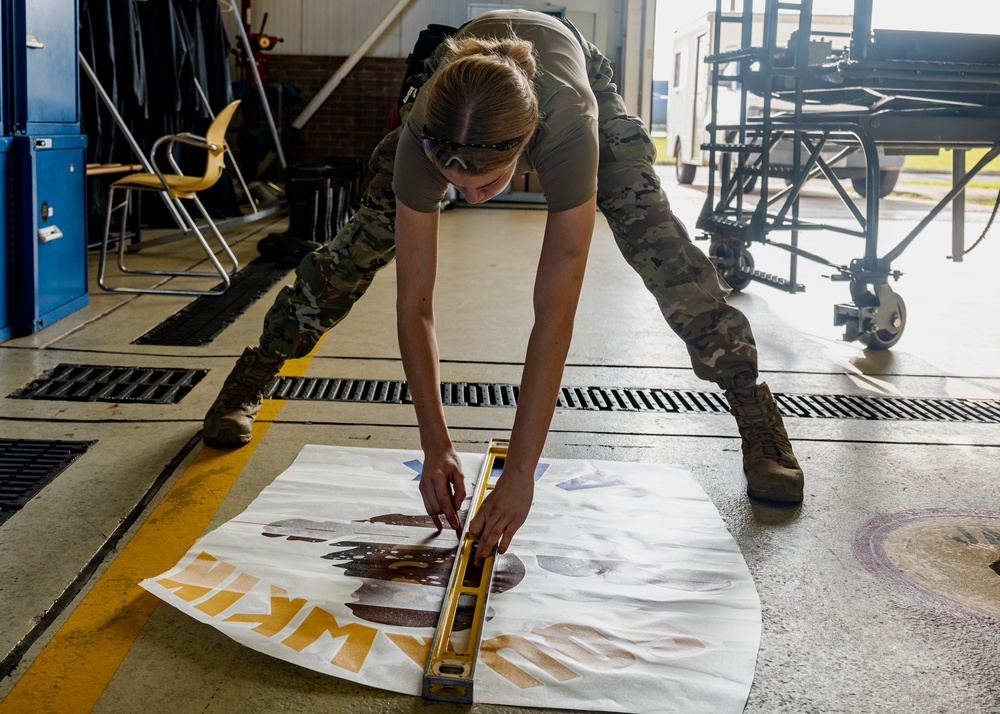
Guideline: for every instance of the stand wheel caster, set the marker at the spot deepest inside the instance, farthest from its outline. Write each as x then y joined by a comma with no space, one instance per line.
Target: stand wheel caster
882,316
885,337
734,263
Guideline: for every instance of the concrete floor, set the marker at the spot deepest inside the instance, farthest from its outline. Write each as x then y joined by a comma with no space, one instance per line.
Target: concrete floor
835,637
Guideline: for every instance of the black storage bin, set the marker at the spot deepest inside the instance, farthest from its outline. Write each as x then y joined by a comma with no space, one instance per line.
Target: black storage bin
306,194
319,205
318,202
352,170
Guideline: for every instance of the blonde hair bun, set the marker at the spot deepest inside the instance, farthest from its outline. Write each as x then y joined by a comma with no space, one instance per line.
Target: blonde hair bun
503,49
481,98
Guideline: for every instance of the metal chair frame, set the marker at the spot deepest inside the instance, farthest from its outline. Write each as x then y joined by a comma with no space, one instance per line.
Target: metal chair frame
176,186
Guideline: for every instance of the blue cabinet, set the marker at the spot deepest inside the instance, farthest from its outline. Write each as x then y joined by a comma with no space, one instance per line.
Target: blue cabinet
52,66
6,287
43,246
4,71
46,71
50,279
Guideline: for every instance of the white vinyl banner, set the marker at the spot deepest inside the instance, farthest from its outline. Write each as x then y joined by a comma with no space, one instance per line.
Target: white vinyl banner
622,592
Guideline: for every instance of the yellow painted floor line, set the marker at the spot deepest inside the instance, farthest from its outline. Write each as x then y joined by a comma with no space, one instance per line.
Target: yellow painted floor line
74,668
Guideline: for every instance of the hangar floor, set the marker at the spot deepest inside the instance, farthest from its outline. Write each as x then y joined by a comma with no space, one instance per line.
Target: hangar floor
76,634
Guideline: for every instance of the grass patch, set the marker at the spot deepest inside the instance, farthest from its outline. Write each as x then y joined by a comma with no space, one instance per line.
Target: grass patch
662,155
972,184
942,161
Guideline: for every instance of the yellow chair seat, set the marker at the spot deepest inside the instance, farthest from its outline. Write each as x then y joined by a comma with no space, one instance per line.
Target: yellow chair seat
180,186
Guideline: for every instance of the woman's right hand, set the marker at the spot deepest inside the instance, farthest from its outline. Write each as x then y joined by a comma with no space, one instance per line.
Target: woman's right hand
442,486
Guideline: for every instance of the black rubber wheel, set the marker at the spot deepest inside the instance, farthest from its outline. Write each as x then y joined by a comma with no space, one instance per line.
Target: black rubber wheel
740,278
735,270
685,172
884,339
886,182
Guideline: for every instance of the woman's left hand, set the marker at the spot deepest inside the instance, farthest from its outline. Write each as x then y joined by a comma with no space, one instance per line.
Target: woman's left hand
502,513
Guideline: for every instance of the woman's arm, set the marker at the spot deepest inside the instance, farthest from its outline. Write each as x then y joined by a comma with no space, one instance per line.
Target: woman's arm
558,282
442,484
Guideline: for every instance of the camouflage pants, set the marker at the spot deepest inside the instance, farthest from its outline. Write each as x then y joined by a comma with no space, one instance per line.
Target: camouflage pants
687,287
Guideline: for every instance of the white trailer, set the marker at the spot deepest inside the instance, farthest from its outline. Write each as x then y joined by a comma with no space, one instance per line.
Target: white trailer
689,107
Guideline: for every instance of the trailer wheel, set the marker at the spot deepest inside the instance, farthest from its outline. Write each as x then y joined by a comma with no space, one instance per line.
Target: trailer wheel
883,339
881,315
734,263
886,182
685,172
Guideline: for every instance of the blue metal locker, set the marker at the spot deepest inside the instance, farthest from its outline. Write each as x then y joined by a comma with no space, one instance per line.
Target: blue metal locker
6,264
4,76
51,244
46,77
44,268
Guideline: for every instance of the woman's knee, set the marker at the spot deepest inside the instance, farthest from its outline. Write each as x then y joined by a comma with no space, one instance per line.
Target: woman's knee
662,253
346,267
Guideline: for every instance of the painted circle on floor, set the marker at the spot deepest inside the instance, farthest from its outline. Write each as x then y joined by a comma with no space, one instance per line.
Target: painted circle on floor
945,559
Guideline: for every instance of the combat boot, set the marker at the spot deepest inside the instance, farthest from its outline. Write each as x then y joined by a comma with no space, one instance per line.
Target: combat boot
773,473
229,421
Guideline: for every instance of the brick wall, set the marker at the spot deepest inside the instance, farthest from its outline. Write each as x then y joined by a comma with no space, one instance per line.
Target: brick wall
353,120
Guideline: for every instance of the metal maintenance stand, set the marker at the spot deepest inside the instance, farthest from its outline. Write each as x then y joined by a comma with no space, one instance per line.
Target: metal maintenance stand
886,91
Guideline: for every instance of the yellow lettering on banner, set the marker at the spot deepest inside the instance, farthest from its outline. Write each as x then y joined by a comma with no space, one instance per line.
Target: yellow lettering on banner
591,647
223,599
416,648
282,612
199,578
491,657
353,652
672,646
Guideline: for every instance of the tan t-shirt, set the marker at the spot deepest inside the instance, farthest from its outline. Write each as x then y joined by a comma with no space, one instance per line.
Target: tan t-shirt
563,149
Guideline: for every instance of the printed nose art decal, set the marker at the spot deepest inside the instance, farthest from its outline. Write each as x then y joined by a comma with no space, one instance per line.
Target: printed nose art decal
945,559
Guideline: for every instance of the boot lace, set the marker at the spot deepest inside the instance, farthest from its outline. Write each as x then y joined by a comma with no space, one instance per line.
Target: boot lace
245,387
758,424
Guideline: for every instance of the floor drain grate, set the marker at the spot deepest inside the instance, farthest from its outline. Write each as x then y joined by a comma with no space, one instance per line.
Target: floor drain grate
632,399
27,466
91,383
203,320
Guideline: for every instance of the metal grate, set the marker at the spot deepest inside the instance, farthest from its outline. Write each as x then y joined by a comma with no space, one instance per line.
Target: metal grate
91,383
27,466
201,321
632,399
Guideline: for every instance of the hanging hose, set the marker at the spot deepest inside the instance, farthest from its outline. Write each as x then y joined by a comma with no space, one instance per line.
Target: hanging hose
996,205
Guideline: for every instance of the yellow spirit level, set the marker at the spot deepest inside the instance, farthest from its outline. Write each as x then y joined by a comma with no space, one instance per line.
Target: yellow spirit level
451,664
